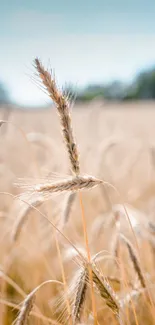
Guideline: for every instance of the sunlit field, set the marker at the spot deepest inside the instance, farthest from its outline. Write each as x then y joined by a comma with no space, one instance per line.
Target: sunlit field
110,278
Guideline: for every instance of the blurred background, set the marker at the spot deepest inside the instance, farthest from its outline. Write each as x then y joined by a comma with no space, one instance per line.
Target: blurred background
100,48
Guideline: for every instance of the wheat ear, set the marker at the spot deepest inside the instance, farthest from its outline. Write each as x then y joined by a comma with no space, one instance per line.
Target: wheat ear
63,108
67,208
105,290
80,295
26,309
41,139
134,260
73,184
21,218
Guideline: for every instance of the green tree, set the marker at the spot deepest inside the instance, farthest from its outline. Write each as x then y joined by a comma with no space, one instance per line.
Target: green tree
4,98
146,84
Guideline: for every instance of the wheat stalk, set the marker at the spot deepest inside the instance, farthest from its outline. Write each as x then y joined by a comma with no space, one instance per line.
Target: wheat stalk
79,182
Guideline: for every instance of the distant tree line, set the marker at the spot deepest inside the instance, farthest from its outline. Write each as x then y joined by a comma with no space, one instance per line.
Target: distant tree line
141,88
4,96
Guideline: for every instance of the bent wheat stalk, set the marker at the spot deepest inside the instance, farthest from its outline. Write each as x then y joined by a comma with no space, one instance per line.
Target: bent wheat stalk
29,302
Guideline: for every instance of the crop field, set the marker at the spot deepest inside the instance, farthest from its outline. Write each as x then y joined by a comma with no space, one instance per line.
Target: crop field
77,215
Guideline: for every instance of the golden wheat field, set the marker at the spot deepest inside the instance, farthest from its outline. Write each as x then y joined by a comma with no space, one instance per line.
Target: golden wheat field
77,226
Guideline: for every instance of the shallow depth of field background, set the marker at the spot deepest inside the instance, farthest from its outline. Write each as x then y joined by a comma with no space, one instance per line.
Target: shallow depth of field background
116,143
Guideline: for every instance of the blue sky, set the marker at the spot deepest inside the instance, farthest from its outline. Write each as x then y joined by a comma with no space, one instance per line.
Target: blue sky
85,41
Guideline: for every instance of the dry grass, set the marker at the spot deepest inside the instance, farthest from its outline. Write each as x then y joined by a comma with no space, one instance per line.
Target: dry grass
107,271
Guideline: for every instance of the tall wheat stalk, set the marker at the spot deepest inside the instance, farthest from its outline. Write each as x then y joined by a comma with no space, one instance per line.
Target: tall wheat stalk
63,109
